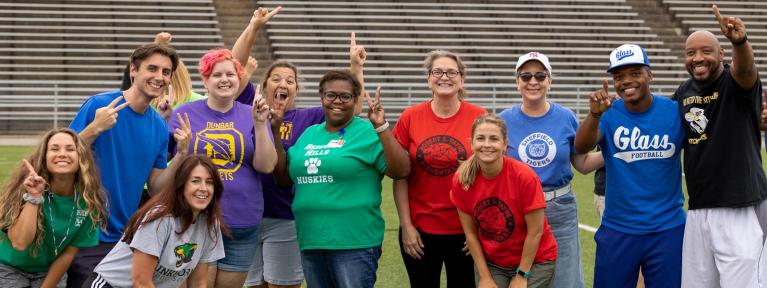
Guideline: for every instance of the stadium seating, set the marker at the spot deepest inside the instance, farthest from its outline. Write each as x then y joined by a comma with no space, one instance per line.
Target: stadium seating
55,53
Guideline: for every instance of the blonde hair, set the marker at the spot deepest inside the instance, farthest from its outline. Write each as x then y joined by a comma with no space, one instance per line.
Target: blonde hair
86,181
468,170
182,86
428,63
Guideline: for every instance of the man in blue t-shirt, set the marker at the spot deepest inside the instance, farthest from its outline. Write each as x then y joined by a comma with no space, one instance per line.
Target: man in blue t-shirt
641,140
131,151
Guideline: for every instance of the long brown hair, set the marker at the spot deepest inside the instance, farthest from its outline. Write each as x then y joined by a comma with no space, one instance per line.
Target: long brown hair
87,182
469,169
171,201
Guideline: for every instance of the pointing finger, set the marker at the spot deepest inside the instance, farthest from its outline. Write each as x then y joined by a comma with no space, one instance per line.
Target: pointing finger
257,96
716,13
354,40
30,168
605,84
274,12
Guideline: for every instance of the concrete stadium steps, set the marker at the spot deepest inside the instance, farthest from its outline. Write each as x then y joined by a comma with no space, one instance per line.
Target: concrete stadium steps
489,35
56,53
697,15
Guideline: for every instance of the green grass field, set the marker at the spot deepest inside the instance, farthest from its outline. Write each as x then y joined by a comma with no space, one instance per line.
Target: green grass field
391,271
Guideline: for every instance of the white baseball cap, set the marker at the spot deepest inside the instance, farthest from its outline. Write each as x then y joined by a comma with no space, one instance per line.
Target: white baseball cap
537,56
628,54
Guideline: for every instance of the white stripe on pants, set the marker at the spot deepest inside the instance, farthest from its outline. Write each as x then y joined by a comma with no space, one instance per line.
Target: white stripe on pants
722,247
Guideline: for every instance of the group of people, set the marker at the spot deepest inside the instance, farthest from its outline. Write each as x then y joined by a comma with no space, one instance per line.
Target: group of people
260,193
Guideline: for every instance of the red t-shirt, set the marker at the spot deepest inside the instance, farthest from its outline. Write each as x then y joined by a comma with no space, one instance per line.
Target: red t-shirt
436,147
498,207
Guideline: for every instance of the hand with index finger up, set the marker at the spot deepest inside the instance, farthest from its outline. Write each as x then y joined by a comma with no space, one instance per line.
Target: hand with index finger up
106,117
357,53
260,108
732,27
33,184
600,100
262,15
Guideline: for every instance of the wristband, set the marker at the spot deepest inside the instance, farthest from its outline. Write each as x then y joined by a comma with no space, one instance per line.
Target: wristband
741,42
596,115
524,274
32,200
382,128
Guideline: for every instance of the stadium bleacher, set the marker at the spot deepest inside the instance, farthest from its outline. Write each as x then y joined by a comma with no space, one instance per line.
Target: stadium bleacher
57,52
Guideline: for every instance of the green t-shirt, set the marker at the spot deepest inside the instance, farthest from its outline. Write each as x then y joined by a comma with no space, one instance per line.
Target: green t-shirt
192,97
337,177
82,233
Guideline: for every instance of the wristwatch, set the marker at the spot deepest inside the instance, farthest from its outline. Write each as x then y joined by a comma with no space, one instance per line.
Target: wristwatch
524,274
32,200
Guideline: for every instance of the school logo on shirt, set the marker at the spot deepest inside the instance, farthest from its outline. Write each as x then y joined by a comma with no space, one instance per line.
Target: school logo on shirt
184,253
286,128
494,219
224,145
312,168
81,214
440,155
636,146
537,150
311,165
697,119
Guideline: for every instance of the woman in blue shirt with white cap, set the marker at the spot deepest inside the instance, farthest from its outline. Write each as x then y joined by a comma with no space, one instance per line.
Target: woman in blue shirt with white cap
541,135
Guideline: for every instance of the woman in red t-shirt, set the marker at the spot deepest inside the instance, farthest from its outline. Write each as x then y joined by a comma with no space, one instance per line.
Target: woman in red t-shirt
436,135
500,203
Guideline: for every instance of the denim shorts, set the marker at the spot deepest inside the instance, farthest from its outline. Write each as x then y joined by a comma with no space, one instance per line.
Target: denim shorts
239,250
347,268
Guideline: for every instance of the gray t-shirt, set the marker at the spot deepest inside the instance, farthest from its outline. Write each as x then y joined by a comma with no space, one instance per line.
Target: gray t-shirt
177,255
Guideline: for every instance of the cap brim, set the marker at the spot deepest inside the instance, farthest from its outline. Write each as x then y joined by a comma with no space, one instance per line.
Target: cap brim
611,69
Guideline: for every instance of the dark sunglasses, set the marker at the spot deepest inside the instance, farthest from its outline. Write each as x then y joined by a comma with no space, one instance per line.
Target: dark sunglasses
539,76
331,96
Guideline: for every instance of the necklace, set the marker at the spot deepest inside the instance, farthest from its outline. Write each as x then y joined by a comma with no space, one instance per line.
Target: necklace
50,218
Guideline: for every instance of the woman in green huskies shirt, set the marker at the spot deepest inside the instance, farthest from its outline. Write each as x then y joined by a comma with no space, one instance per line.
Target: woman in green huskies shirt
50,206
337,167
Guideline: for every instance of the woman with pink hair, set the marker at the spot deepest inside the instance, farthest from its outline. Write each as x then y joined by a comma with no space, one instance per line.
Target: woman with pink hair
237,138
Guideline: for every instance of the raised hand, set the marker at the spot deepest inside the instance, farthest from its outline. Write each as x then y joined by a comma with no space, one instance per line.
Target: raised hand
162,38
260,108
106,116
262,15
183,135
166,105
357,54
34,184
600,100
251,66
376,112
732,27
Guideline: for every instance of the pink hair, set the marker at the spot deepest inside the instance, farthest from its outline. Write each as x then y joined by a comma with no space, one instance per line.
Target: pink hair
213,57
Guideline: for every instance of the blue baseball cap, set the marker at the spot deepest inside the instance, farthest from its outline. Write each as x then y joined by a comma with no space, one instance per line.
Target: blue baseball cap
627,54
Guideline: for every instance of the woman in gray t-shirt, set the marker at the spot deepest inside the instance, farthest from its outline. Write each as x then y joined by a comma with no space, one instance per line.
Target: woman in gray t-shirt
173,237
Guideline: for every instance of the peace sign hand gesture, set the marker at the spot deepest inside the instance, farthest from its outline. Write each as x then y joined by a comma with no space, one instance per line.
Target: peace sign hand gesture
376,112
183,135
732,27
106,116
357,54
600,100
262,15
34,184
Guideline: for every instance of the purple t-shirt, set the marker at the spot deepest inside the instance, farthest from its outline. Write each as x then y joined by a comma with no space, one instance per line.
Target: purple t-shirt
247,95
228,139
278,199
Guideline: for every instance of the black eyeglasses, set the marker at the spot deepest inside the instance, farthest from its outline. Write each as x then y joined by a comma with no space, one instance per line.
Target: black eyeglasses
436,73
539,76
332,96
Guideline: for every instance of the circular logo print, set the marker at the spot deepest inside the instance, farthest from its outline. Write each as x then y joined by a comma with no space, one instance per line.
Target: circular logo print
440,155
537,150
494,219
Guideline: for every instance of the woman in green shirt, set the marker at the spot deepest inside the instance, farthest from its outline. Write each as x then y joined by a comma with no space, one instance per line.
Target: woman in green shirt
337,167
51,206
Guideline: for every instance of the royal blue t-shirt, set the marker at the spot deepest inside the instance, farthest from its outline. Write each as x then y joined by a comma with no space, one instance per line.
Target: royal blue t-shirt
544,143
642,154
125,154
